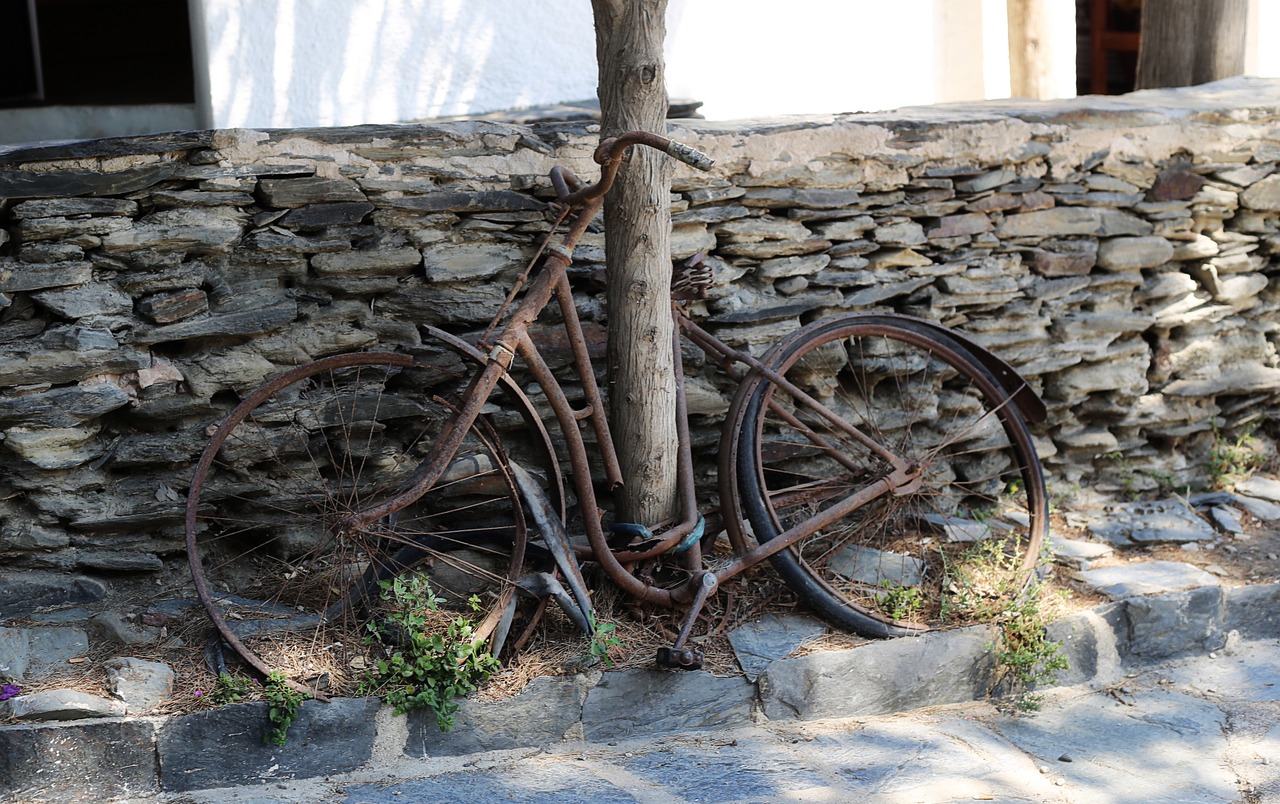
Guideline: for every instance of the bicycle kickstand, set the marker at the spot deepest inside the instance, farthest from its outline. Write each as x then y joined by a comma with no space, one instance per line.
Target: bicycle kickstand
678,655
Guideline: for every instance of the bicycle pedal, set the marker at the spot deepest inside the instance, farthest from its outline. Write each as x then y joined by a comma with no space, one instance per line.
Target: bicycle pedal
680,659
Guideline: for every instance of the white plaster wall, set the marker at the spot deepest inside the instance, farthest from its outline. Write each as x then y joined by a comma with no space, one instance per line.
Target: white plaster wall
754,58
1262,57
294,63
299,63
291,63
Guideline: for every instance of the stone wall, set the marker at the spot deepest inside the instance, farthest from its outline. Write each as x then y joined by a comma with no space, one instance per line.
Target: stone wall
1117,251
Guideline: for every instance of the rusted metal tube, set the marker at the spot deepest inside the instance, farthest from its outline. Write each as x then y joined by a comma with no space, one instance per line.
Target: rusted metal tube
581,467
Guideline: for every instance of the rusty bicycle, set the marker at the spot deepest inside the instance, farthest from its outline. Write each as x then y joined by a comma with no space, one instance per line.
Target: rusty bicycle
867,456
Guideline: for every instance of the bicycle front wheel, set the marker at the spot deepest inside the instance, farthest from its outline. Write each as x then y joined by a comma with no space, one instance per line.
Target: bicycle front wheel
941,552
283,574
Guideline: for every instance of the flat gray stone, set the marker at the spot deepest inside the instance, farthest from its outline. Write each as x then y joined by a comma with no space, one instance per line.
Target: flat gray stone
871,566
631,703
1247,668
90,761
892,760
1263,195
1077,638
27,591
1072,221
1226,519
60,705
1262,509
1262,488
49,648
1163,522
757,644
472,262
561,782
399,261
142,685
1167,747
112,626
937,667
1253,611
15,653
224,747
1077,553
744,770
542,714
302,191
1131,253
1145,578
1169,626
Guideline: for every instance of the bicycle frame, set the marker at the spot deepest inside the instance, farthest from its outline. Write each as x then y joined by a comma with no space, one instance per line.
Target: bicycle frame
939,450
551,283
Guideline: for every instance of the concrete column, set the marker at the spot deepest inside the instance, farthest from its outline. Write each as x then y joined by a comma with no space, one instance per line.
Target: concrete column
1042,48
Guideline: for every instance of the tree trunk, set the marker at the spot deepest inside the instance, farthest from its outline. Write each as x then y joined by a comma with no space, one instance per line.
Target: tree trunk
1188,42
637,219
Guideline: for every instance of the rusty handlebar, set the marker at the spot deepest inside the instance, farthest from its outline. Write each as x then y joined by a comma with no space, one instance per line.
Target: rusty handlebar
609,154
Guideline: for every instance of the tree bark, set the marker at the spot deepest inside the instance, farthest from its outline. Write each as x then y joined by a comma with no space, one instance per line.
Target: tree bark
1188,42
637,218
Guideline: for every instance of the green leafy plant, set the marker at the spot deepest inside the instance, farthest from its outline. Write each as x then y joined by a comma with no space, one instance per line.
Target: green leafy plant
984,584
229,689
282,707
603,637
1025,654
1233,460
899,602
440,658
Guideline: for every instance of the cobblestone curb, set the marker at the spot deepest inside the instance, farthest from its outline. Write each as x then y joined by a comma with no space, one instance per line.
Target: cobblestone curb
119,757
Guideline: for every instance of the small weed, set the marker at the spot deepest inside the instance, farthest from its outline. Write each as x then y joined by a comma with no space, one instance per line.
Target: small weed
1166,482
1128,475
602,638
229,689
282,707
435,665
1025,655
899,602
1060,493
1231,461
984,583
282,700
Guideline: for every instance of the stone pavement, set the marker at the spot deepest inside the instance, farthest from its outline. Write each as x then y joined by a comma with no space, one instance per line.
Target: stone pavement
1199,729
1170,696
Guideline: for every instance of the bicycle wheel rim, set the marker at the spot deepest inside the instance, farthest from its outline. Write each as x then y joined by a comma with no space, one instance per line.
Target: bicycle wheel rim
285,582
904,562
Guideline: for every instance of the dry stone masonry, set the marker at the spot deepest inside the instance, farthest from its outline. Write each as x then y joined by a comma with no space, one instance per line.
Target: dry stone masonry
1118,252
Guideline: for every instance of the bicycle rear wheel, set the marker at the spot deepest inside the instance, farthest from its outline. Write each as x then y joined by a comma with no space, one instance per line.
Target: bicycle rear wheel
281,573
968,534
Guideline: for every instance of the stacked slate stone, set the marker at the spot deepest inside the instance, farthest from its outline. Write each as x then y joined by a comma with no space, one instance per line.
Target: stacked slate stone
148,284
144,298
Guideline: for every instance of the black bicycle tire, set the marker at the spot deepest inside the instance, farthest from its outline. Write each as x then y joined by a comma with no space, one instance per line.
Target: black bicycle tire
749,472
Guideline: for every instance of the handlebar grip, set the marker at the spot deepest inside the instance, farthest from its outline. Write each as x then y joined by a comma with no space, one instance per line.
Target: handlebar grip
690,156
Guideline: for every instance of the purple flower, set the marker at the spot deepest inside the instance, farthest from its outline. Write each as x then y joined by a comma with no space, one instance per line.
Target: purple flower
199,693
8,691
